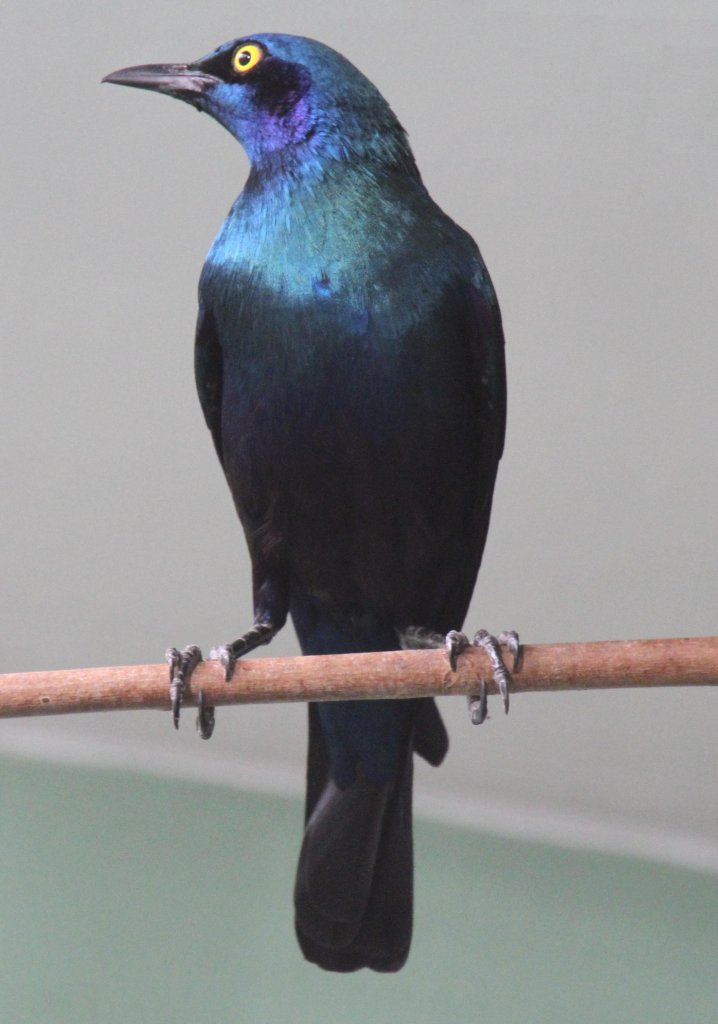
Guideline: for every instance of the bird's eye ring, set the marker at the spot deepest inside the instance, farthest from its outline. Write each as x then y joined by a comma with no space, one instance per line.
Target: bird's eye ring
246,57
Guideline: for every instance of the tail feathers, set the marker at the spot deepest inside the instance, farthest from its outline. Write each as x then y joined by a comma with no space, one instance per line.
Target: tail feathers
431,740
336,870
354,889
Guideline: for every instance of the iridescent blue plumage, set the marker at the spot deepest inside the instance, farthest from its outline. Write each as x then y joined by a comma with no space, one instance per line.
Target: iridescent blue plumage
349,362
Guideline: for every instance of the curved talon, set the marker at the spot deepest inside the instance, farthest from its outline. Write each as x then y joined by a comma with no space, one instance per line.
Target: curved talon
176,698
478,705
205,717
172,657
456,643
502,676
510,638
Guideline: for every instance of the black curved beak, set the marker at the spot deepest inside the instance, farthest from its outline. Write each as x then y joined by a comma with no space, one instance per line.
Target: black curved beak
180,80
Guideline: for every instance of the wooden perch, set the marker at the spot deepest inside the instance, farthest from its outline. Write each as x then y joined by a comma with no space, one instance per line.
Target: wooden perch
582,666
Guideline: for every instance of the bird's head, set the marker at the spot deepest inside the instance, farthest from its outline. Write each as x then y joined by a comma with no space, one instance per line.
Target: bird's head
288,100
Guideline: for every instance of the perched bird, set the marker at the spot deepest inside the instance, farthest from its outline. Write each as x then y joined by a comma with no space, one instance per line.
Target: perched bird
350,365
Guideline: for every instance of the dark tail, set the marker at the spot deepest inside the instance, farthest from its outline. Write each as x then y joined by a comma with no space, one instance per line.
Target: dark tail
354,889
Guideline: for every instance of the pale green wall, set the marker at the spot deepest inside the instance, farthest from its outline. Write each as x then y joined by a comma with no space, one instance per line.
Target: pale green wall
130,900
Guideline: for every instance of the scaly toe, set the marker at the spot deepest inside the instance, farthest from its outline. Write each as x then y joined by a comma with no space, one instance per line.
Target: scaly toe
502,676
181,664
510,638
456,644
225,654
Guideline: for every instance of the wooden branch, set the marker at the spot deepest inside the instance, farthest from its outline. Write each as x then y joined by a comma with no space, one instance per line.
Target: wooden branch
582,666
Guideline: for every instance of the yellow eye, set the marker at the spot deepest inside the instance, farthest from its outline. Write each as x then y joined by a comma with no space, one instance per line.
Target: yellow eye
246,57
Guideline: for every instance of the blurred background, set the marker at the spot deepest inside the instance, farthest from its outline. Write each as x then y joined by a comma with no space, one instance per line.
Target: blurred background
567,856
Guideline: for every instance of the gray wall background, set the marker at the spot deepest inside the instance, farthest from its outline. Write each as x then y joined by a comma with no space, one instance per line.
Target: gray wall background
578,143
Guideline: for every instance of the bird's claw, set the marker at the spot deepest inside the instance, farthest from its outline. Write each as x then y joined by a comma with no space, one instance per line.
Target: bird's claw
225,654
205,717
502,676
478,705
182,664
229,654
510,638
457,643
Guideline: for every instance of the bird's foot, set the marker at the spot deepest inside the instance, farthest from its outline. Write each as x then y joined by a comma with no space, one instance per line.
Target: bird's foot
182,664
502,676
457,642
260,633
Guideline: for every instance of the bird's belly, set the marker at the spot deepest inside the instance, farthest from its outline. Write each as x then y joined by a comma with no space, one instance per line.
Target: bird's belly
353,476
